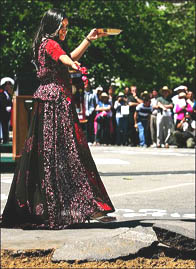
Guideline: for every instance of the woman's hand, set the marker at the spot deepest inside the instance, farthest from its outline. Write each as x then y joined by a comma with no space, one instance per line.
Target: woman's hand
75,65
93,35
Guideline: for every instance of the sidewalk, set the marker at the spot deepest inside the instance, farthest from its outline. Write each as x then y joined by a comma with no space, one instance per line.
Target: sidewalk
98,242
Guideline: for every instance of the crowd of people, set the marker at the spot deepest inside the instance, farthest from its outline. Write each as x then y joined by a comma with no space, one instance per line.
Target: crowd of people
151,119
157,118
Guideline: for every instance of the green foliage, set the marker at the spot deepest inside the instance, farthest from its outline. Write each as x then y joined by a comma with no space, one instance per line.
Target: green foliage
156,46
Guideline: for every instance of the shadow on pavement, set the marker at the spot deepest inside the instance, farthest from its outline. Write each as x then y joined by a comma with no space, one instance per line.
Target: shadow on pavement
123,224
151,173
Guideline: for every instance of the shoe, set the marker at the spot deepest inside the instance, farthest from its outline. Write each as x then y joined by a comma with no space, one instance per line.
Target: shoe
154,145
101,218
104,219
166,146
143,146
96,144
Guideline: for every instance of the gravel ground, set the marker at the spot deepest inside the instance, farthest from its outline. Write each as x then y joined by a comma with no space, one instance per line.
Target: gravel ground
42,259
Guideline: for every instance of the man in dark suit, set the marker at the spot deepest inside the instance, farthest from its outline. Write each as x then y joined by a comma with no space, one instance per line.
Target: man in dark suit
6,88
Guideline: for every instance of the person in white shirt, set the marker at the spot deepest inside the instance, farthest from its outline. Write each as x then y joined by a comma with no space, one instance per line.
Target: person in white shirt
122,112
153,118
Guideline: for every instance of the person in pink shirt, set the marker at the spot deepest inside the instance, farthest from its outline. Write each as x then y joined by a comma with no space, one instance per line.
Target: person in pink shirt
184,134
182,107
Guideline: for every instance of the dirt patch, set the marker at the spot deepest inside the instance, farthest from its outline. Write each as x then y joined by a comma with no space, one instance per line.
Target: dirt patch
162,258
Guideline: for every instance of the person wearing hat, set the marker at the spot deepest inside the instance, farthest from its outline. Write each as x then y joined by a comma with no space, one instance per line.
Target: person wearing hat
164,117
121,116
184,134
175,98
98,91
183,107
103,121
6,90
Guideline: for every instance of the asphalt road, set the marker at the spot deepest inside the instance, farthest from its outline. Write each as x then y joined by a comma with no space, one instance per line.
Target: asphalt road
148,183
146,186
143,183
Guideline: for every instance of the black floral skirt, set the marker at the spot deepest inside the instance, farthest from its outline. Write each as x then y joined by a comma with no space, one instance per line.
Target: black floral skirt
56,182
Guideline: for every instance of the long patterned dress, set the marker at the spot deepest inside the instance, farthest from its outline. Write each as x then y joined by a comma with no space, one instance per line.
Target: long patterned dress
56,182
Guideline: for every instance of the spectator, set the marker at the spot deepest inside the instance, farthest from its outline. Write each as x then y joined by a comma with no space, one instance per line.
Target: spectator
183,107
111,100
184,135
164,118
102,121
121,119
127,92
6,91
98,92
153,118
142,120
190,98
1,133
111,96
194,108
175,99
90,100
133,101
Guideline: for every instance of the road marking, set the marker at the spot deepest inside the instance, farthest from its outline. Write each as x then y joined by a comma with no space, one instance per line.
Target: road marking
158,152
189,216
109,161
8,181
153,190
158,213
3,196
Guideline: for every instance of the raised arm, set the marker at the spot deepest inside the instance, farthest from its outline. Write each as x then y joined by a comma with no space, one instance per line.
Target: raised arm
77,53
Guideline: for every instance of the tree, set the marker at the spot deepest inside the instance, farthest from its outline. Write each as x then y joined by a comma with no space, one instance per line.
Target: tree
156,46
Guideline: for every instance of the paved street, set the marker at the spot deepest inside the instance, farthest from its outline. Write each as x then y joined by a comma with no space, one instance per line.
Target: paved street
149,183
143,183
145,186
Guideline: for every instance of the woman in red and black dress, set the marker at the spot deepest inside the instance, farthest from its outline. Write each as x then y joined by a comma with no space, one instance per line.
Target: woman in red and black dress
56,182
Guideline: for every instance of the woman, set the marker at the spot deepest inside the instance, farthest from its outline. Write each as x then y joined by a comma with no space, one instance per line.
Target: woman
121,119
56,182
103,121
182,107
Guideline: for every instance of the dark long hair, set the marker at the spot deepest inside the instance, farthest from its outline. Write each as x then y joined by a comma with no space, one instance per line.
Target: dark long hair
49,28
